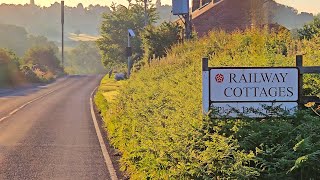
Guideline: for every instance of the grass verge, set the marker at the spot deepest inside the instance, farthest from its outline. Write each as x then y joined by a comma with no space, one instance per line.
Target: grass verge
156,122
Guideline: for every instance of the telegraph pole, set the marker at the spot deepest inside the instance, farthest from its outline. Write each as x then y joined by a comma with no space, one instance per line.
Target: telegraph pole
62,32
145,13
187,23
181,8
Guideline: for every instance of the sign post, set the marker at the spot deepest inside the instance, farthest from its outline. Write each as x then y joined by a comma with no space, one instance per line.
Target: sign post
182,7
251,91
205,86
129,50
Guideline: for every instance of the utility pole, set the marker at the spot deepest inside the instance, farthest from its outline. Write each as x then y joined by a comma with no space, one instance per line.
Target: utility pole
62,33
129,54
188,26
145,13
181,8
129,50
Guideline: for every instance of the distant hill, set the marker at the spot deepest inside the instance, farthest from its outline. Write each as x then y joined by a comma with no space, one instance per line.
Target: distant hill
290,17
46,21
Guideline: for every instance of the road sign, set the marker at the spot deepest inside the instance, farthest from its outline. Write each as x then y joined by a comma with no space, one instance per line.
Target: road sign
131,33
180,7
254,84
253,109
253,92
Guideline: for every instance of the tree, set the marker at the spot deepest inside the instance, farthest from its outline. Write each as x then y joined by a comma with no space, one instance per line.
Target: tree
157,40
114,30
84,59
14,37
310,30
44,58
10,74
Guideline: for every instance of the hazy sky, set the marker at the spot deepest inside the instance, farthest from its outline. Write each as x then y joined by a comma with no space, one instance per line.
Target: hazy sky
302,5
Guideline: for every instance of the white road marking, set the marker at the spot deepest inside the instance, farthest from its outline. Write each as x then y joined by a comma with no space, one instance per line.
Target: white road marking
104,150
29,102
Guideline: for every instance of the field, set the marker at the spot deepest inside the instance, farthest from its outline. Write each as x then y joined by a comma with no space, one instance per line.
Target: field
82,37
156,122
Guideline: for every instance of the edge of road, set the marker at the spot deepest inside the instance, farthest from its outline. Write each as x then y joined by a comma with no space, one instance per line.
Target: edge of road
106,154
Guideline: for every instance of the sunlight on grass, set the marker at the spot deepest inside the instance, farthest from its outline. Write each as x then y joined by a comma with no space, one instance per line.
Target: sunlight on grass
110,88
82,37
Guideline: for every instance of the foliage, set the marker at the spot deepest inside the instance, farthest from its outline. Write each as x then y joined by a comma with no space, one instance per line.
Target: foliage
13,37
310,30
283,148
19,41
39,63
43,61
10,74
157,40
114,32
157,124
84,59
312,106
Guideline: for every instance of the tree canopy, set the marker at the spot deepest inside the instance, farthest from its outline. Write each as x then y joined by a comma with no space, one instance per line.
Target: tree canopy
114,31
310,30
84,59
157,40
43,57
9,68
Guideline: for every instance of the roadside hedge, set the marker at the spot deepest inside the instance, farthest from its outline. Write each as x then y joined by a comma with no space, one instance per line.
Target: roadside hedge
157,124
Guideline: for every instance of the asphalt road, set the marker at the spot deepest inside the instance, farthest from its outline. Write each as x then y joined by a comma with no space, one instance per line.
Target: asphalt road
52,137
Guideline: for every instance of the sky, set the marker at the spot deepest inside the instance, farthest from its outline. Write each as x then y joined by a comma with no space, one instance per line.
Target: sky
312,6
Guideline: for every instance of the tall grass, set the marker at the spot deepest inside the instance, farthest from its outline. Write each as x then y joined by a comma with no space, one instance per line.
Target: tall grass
157,124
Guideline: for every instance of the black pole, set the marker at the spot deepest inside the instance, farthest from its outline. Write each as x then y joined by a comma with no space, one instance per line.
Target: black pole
188,25
145,13
299,64
62,32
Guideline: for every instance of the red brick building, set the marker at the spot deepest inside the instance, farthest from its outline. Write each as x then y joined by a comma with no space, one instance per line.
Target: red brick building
230,15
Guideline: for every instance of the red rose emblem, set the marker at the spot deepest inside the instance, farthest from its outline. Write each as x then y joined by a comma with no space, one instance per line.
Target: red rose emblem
219,78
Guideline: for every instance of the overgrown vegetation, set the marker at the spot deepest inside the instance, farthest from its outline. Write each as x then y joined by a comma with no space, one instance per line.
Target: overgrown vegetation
9,68
114,32
84,59
157,124
310,30
156,41
26,58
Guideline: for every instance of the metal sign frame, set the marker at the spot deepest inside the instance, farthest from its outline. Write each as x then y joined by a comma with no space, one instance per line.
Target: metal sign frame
206,85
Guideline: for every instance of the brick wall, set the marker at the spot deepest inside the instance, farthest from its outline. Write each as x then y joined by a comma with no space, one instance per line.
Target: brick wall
229,15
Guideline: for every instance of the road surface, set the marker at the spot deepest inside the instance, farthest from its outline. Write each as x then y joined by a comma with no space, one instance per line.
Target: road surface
52,136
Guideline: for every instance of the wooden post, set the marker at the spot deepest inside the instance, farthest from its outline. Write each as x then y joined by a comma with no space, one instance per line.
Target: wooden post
205,86
299,64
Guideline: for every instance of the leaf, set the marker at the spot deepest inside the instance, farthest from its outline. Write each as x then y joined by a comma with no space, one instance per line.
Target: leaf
310,104
299,162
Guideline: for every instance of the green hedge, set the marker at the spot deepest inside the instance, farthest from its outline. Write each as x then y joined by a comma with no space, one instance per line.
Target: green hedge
157,123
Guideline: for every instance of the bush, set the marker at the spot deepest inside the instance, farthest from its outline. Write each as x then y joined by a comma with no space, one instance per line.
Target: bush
156,41
310,30
10,74
157,122
43,62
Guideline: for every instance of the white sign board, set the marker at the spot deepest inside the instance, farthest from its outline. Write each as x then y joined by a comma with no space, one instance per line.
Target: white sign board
131,33
254,110
253,92
262,85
